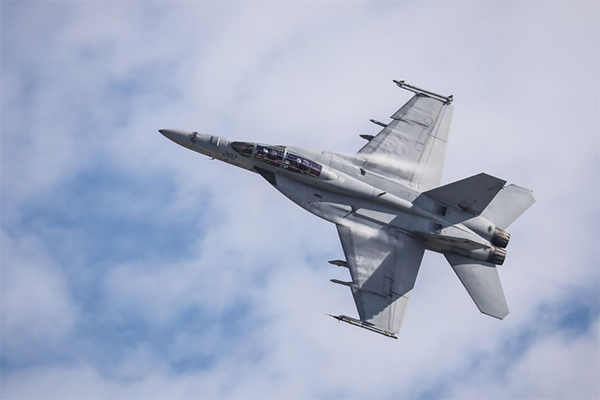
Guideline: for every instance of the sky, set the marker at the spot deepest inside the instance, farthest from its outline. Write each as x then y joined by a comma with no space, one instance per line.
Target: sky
134,268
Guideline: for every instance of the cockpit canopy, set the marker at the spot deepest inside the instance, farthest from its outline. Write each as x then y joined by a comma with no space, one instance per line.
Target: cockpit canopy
278,156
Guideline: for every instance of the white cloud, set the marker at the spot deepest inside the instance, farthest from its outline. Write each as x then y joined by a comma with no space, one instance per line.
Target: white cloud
563,364
37,313
234,308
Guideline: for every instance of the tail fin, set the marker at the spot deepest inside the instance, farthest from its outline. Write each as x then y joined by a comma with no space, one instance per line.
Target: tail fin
470,194
508,205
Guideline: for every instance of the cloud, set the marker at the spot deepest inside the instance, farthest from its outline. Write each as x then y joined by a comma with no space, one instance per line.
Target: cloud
38,313
133,268
541,371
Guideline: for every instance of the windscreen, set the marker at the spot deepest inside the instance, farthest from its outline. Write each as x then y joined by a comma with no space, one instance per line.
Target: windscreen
243,148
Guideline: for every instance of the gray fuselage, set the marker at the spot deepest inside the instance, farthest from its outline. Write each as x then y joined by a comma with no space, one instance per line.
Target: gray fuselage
332,185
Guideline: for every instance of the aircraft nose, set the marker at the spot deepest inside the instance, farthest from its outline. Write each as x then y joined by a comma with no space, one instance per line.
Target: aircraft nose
178,136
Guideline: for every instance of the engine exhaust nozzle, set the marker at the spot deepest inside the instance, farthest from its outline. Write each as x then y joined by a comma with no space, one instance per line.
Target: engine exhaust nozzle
500,238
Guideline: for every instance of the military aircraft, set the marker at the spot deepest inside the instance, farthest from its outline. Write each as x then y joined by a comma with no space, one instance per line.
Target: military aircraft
388,206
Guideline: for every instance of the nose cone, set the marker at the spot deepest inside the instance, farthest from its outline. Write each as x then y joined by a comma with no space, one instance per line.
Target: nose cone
178,136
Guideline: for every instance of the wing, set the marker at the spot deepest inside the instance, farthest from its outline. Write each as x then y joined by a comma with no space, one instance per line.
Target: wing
483,284
413,145
384,268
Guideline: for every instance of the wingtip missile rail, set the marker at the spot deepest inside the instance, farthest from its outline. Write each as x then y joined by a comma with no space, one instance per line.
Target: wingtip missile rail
414,89
361,324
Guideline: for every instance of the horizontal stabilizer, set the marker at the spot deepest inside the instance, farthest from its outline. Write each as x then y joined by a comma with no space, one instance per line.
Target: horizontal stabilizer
508,205
471,194
483,284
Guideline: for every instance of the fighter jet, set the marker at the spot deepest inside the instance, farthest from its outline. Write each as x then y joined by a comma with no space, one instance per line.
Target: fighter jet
388,206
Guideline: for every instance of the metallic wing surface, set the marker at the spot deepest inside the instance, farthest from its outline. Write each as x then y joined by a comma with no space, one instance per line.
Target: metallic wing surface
413,146
384,269
482,282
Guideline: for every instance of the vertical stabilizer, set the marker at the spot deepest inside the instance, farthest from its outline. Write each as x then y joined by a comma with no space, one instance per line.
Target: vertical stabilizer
471,194
508,205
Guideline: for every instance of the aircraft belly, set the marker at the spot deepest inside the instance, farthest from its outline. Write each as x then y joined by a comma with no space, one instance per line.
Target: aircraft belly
376,217
336,208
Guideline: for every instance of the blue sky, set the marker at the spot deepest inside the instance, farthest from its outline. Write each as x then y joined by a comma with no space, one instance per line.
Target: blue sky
133,268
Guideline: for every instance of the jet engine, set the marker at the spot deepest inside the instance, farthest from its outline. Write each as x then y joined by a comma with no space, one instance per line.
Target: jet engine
497,256
500,238
494,255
